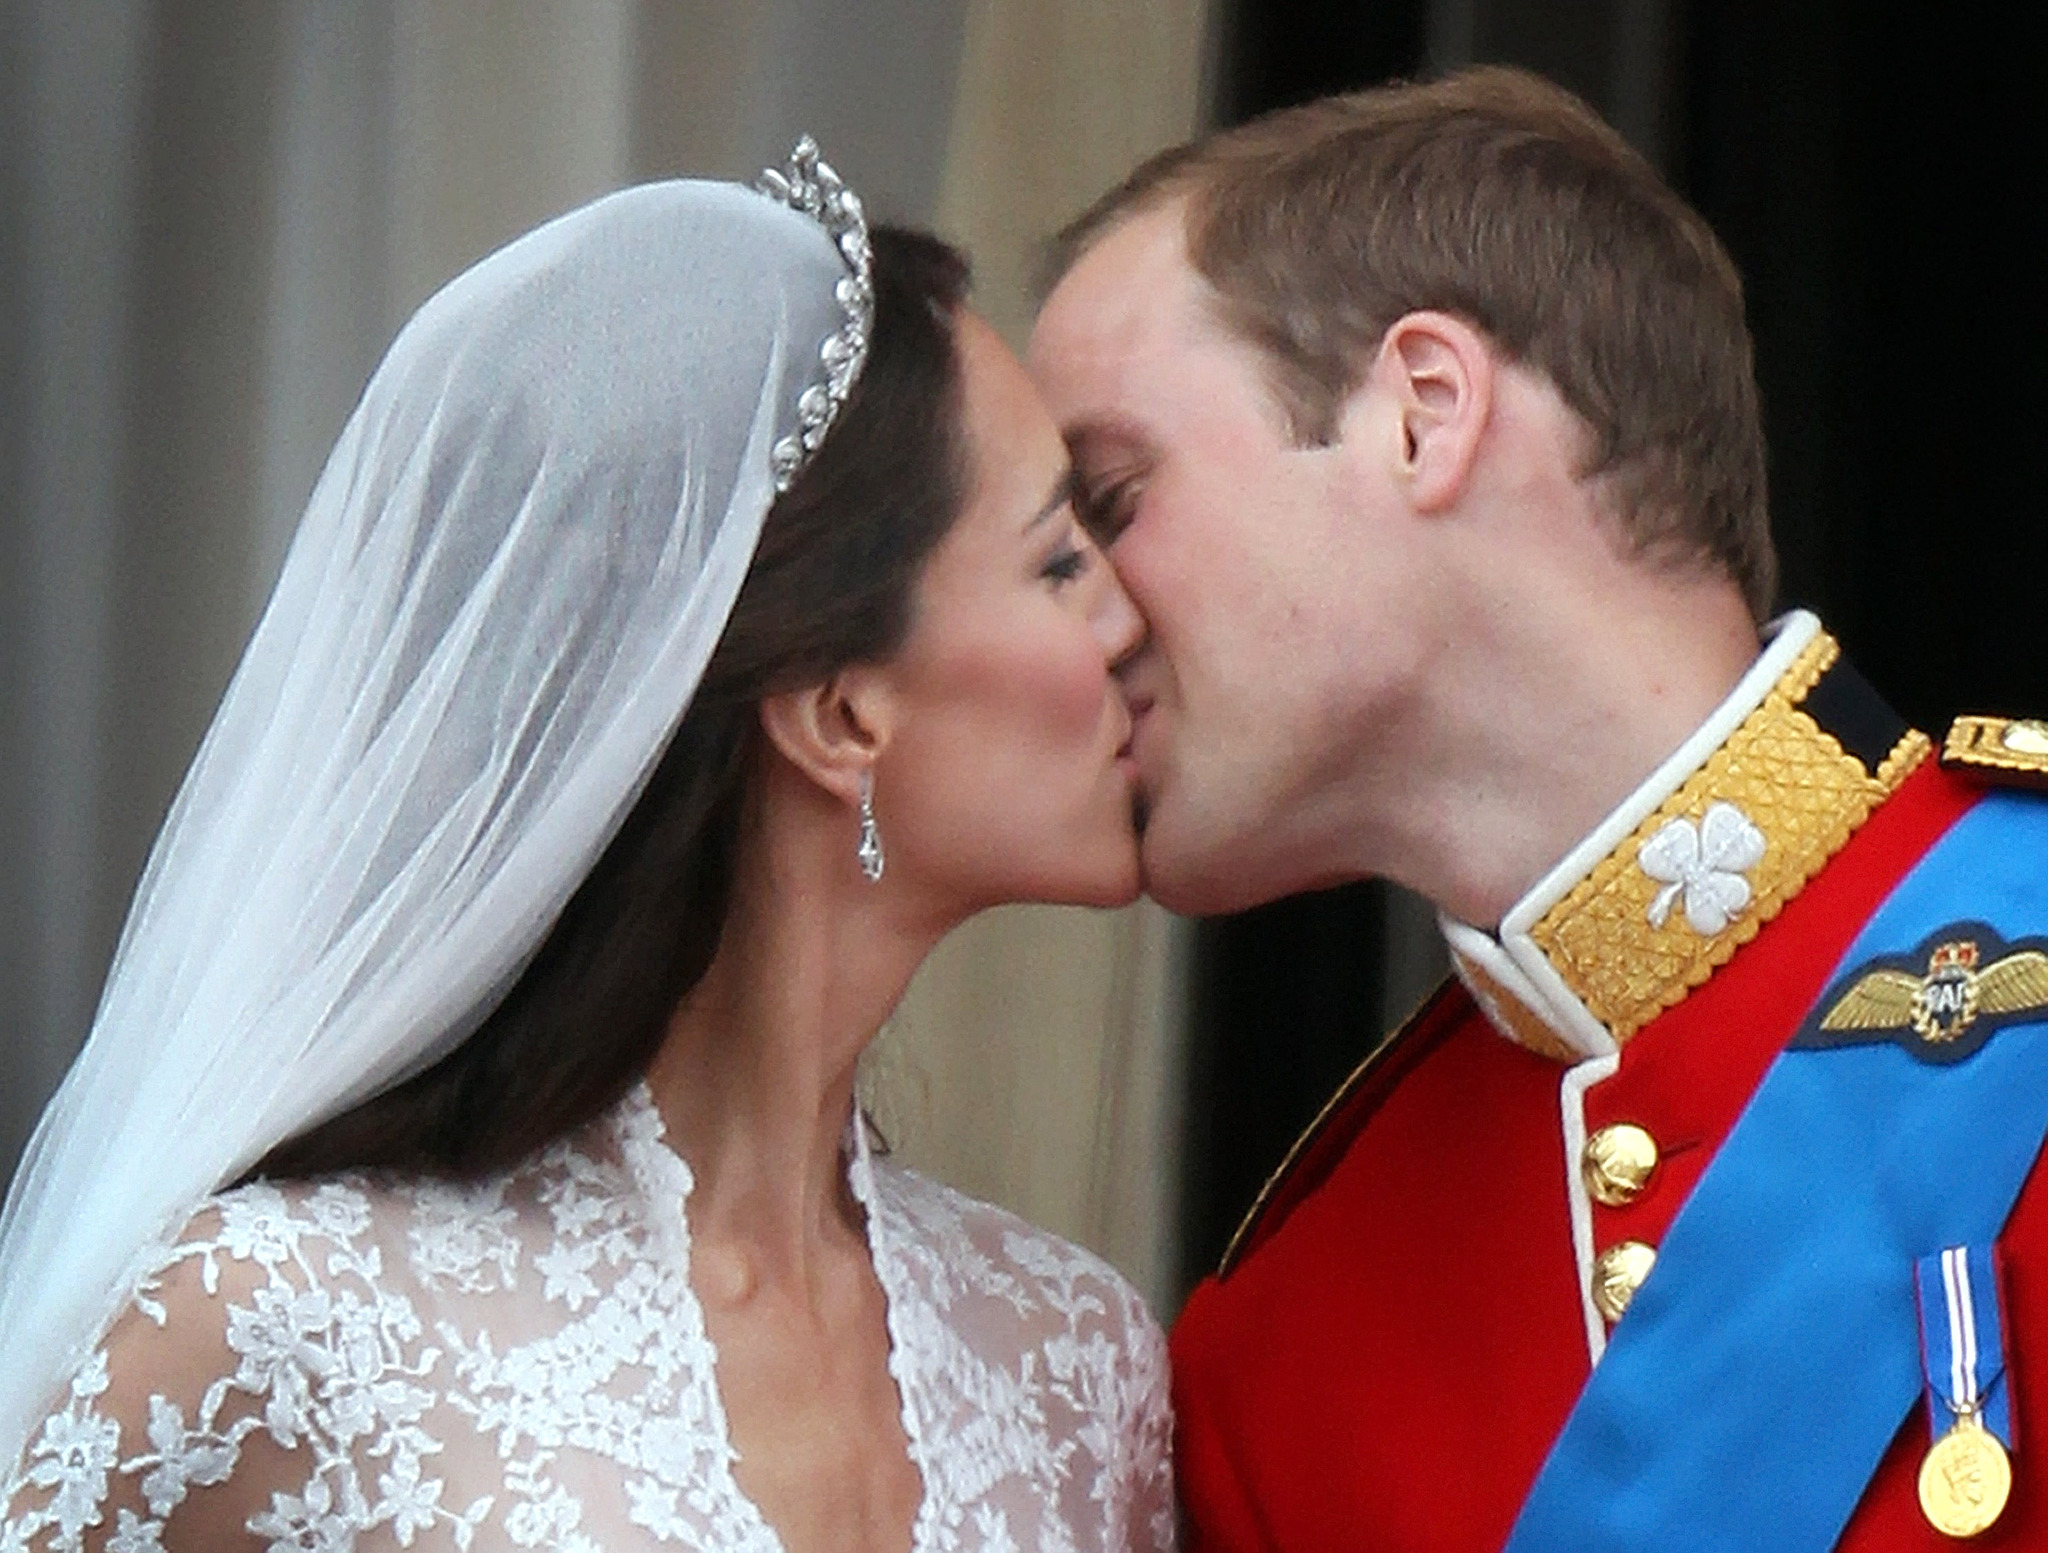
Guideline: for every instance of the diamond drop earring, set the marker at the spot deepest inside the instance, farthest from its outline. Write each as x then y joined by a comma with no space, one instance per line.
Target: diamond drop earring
870,849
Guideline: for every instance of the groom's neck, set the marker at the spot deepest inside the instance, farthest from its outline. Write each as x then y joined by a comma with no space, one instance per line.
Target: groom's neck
1556,705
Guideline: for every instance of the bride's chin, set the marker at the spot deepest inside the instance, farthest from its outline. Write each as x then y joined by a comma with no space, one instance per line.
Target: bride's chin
1125,881
1126,890
1110,879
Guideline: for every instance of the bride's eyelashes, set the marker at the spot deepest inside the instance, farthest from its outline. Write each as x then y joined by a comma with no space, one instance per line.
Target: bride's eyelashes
1064,564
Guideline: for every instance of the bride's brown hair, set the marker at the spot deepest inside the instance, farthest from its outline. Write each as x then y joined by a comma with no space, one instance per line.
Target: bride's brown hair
831,584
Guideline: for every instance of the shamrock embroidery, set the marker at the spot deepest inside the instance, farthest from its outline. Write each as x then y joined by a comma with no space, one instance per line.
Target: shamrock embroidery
1705,864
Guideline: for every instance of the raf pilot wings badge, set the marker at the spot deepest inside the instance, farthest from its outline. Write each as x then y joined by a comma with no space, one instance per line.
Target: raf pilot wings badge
1942,1001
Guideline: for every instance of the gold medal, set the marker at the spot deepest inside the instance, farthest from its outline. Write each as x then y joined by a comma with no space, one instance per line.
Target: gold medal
1965,1480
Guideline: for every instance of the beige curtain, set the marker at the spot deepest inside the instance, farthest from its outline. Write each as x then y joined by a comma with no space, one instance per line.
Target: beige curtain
215,217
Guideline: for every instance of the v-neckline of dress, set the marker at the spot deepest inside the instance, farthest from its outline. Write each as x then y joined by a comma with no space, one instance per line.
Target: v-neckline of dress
664,1175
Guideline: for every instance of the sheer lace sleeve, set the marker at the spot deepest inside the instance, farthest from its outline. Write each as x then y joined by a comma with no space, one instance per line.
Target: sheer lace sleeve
1035,1381
200,1421
1146,1454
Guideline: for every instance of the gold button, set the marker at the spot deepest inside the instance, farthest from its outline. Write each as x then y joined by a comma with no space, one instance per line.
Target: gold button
1617,1164
1617,1273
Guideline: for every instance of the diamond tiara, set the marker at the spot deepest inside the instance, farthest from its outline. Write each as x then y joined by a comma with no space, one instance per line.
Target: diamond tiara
810,185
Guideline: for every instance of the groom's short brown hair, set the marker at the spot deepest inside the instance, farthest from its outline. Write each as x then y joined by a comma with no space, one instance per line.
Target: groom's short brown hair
1498,197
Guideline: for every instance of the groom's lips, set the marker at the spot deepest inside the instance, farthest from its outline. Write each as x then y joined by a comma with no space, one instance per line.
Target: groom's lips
1138,706
1141,803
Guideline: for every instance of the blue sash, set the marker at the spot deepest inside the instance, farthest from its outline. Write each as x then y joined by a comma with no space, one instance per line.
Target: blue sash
1764,1367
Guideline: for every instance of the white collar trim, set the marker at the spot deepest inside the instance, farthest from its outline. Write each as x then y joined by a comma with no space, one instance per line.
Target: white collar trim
1512,958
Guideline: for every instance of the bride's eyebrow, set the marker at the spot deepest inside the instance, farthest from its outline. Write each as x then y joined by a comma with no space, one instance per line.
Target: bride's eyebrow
1064,490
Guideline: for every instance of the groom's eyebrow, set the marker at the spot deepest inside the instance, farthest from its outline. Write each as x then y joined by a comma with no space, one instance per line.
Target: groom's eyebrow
1064,490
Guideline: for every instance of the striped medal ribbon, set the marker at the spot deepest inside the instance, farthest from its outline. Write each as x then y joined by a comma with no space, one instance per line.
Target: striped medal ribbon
1966,1478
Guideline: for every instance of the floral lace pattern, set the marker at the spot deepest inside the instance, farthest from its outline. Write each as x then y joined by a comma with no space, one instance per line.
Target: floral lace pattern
522,1364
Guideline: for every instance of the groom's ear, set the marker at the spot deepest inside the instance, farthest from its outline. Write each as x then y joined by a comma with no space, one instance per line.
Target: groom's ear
1438,372
835,730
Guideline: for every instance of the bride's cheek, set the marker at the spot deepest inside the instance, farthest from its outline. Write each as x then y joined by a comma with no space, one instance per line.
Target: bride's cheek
1075,684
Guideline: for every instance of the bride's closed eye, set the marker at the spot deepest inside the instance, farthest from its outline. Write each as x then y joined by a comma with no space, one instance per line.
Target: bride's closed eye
1065,564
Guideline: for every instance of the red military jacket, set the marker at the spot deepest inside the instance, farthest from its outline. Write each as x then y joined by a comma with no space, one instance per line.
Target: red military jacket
1408,1318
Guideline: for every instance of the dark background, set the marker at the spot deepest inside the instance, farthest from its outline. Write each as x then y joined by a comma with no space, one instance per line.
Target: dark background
1875,172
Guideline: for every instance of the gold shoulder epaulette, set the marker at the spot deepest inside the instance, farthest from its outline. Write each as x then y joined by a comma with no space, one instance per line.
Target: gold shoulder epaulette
2011,751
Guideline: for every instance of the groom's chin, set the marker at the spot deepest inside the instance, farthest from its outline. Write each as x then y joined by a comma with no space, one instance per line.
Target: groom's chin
1177,881
1196,871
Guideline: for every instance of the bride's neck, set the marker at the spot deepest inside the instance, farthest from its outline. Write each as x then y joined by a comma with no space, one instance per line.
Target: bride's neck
755,1080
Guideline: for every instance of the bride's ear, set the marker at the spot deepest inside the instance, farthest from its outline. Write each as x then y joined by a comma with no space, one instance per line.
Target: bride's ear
833,731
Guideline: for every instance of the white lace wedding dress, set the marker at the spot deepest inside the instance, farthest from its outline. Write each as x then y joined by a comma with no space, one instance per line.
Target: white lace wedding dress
522,1363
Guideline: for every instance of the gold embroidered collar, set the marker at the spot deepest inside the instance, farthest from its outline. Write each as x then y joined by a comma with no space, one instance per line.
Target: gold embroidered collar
1697,859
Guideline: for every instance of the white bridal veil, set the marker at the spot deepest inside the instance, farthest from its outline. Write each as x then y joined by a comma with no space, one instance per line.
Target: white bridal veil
499,601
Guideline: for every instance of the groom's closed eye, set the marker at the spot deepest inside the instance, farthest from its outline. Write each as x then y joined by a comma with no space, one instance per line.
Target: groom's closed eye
1105,509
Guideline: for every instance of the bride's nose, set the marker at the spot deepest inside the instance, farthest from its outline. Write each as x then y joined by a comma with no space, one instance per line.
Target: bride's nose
1113,617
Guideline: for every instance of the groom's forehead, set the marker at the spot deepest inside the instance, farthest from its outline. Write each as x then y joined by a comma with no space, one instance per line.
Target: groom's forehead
1131,309
1133,280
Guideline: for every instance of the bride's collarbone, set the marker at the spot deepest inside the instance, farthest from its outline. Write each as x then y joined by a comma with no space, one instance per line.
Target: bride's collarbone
812,1409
